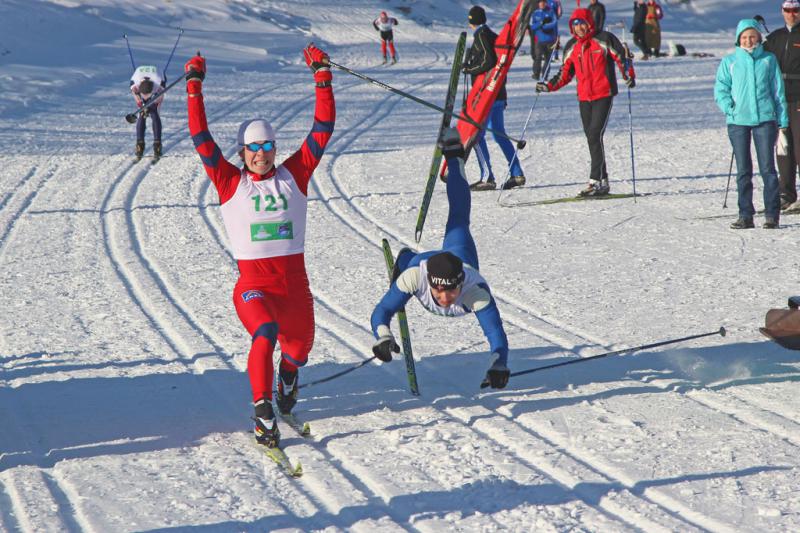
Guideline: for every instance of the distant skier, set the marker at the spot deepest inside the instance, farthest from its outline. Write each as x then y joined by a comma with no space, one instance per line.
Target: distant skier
555,7
264,207
638,27
544,35
480,58
785,44
383,24
446,282
146,84
652,27
590,56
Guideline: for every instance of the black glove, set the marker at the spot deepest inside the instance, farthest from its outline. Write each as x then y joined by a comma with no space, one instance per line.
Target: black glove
146,112
497,376
542,87
547,20
384,347
630,82
450,143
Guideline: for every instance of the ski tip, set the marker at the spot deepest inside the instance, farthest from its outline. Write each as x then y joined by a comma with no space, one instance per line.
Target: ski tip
297,471
306,431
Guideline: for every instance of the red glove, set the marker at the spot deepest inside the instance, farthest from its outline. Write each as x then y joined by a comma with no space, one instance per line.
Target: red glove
317,61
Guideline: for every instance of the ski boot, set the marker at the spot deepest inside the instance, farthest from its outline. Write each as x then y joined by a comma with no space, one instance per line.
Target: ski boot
287,390
489,185
514,181
743,223
394,60
384,60
596,188
266,428
156,150
139,150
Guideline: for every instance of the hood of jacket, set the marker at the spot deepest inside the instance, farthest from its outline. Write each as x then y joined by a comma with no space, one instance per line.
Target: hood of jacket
584,14
746,24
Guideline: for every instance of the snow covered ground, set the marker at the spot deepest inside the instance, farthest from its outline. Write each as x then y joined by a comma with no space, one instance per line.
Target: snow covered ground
124,403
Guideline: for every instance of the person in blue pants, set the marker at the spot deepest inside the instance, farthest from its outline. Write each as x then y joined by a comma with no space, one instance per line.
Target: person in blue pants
446,282
480,58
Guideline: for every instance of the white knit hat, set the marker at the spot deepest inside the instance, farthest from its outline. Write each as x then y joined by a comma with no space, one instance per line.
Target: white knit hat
253,130
789,4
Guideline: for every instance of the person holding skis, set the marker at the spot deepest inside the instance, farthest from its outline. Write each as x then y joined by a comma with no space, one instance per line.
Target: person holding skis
481,57
446,282
543,36
749,90
590,56
146,84
263,206
785,44
383,24
598,11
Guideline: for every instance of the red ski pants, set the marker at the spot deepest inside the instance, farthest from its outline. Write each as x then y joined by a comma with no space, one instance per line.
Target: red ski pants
391,47
271,317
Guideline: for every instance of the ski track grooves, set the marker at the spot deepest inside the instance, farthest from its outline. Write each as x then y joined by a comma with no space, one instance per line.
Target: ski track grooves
23,203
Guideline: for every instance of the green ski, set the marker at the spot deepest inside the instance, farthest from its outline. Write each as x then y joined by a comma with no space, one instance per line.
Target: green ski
574,199
405,336
282,460
452,91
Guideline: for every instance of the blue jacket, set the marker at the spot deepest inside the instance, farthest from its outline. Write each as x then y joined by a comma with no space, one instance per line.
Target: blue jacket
544,25
749,86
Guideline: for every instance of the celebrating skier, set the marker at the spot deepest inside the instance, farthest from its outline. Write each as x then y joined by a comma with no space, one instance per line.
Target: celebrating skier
446,282
588,56
146,84
383,24
264,210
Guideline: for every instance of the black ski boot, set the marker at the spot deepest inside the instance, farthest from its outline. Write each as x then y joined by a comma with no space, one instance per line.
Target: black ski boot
287,390
514,181
139,149
266,428
156,150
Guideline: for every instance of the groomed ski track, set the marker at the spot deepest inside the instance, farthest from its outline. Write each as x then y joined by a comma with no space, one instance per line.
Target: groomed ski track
381,459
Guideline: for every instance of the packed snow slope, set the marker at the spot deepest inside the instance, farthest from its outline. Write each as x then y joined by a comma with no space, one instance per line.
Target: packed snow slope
124,402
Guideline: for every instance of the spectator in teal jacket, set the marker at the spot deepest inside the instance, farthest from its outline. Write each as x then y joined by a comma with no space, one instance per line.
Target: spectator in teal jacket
749,90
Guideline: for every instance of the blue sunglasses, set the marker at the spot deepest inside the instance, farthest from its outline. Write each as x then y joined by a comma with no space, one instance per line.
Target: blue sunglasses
255,147
576,22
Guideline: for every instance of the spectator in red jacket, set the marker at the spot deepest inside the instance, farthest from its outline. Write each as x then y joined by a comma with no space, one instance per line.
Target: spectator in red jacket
264,210
590,56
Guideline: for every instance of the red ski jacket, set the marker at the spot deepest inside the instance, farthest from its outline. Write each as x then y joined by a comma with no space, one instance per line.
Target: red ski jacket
225,175
591,59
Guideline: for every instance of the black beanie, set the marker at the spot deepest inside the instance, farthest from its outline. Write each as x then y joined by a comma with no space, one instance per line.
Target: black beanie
477,16
445,270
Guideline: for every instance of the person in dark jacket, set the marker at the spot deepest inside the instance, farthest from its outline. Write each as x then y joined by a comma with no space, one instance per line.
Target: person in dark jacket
785,44
598,11
544,35
590,56
481,57
638,27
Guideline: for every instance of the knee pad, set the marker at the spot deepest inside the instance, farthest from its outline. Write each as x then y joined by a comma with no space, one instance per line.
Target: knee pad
268,330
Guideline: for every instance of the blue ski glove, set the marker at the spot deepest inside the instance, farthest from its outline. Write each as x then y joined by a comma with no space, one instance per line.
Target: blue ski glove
384,347
497,375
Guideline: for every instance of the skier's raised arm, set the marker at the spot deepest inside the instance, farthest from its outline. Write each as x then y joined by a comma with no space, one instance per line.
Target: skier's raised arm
303,162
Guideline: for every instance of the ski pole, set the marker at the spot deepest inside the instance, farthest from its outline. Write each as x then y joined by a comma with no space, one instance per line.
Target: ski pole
728,185
338,374
760,20
173,52
520,143
627,63
721,331
133,64
542,77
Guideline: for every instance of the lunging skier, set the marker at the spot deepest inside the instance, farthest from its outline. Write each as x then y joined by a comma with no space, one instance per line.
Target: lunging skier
264,210
147,83
446,282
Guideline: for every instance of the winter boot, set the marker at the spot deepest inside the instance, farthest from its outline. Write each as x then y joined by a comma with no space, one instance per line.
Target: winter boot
287,390
743,223
266,428
157,149
489,185
139,149
770,223
514,181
